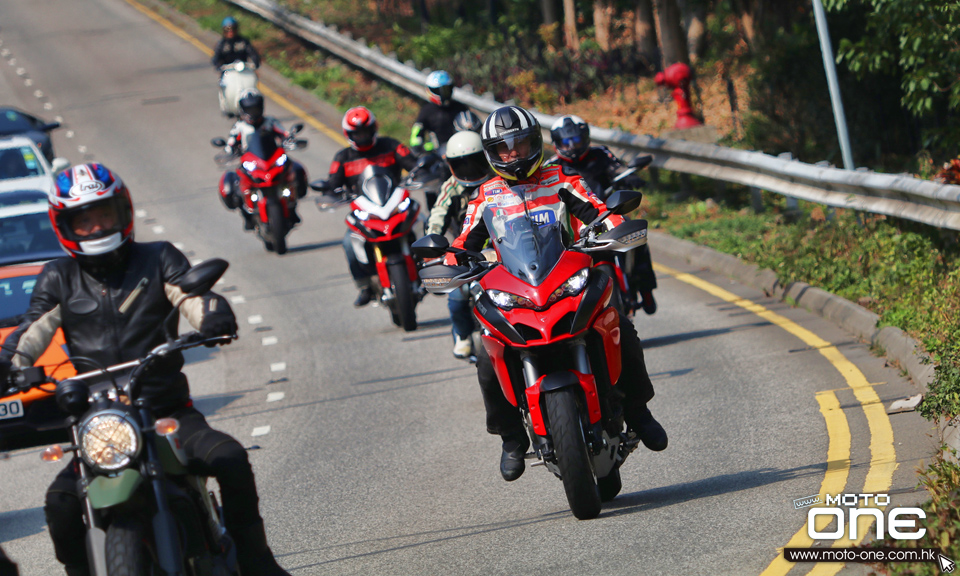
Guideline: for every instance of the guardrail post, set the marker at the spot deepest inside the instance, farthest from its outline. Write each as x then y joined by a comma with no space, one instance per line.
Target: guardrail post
654,178
756,200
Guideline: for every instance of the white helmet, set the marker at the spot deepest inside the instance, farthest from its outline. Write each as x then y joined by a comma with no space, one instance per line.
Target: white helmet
466,159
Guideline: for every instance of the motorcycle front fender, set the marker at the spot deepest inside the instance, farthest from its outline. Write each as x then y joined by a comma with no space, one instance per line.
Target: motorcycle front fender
556,381
104,491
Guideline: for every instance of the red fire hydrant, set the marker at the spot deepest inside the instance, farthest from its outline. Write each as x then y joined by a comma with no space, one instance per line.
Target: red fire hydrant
677,76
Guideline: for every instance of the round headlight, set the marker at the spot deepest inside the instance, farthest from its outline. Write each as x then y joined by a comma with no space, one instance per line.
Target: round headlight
109,440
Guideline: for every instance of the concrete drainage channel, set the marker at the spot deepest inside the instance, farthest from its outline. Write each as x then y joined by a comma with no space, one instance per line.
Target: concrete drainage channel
862,323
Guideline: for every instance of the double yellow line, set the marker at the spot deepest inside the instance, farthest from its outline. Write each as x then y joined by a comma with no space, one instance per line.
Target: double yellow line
883,460
266,90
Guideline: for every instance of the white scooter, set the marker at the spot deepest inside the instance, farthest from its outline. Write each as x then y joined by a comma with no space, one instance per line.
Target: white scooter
234,79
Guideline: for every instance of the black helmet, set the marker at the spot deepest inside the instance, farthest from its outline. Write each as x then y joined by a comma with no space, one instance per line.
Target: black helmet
467,121
571,137
512,129
251,106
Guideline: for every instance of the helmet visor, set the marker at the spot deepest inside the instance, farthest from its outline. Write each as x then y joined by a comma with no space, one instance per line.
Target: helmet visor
514,146
253,111
444,92
469,168
96,221
362,136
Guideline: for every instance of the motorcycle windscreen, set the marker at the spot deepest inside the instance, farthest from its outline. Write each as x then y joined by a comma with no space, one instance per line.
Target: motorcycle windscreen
262,144
377,186
530,244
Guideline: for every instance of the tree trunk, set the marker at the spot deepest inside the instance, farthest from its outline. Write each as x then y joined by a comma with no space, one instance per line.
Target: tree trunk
570,25
645,29
673,42
694,22
602,20
746,20
551,22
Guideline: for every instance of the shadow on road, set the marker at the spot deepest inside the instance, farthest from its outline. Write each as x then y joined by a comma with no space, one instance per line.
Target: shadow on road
697,334
314,246
213,403
18,524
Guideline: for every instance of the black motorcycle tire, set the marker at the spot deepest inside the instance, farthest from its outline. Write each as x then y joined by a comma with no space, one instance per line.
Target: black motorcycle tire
609,485
406,304
573,458
126,554
277,227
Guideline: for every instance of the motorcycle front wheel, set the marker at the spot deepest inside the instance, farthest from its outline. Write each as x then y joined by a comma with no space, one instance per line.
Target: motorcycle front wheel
277,228
573,458
406,310
126,553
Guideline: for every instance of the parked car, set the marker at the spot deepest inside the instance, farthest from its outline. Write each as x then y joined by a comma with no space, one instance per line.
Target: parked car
24,167
17,122
27,240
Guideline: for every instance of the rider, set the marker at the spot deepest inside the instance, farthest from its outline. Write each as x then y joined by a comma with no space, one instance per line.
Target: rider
470,169
252,121
598,166
437,116
513,145
111,297
233,47
366,148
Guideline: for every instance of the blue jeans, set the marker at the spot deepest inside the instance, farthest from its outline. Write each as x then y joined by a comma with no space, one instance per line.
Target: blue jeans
458,302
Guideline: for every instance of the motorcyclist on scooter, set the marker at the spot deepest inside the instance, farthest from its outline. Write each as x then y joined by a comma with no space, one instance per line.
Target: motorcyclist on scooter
513,145
435,122
233,47
111,296
252,121
470,169
598,166
366,148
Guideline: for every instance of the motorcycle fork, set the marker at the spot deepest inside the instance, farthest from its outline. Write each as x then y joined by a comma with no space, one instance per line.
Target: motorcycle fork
165,533
96,536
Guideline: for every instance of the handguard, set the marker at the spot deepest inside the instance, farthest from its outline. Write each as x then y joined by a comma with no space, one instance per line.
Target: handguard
625,237
443,278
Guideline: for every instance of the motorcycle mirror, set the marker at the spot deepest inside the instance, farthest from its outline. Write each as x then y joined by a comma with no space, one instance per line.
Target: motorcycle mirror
320,185
430,246
218,142
641,162
201,278
299,144
296,128
49,126
624,201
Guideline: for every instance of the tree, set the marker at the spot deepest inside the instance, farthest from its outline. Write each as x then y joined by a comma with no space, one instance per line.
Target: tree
602,21
673,41
570,25
645,29
919,40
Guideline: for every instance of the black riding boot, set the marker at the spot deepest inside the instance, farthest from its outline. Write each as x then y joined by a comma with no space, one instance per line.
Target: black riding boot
253,553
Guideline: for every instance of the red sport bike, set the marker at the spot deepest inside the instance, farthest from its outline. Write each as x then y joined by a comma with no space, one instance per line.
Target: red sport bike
381,220
553,338
266,185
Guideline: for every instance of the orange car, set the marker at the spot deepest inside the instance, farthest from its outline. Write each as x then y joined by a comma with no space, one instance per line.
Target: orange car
35,411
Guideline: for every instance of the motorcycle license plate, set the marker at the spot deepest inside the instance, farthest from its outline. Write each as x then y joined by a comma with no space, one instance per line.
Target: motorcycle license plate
11,409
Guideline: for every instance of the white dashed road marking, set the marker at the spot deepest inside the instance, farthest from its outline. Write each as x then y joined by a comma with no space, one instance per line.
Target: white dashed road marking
275,396
27,82
255,319
238,300
21,71
38,94
261,431
47,106
278,366
196,261
139,213
158,229
82,149
268,340
69,134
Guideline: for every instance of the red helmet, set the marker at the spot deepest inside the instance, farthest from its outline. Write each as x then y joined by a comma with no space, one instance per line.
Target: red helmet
360,127
87,187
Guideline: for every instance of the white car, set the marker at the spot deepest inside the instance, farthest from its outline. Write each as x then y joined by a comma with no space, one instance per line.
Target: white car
23,167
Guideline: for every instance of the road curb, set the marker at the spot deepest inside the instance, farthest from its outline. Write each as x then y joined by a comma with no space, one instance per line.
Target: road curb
892,342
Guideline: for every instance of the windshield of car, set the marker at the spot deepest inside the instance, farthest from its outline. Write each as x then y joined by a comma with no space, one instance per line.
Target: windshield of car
26,234
20,162
13,122
15,298
530,243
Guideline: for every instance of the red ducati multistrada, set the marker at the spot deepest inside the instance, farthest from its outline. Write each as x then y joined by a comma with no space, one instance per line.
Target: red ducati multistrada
553,338
265,186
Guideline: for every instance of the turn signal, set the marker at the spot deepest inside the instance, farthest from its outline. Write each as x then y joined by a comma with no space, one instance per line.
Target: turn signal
167,426
52,453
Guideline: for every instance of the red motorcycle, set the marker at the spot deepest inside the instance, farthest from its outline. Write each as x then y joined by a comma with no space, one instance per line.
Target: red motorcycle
553,337
265,186
381,220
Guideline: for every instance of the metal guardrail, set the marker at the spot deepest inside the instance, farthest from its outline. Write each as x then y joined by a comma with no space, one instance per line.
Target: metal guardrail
898,195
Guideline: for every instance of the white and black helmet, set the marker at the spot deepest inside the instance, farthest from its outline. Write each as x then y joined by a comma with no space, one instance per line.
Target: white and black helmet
510,129
467,121
466,159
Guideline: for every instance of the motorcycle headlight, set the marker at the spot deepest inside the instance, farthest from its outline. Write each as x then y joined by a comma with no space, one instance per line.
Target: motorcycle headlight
571,287
361,214
506,300
402,207
109,440
249,165
282,160
240,66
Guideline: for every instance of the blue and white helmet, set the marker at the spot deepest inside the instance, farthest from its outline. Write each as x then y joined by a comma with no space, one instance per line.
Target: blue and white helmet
440,85
84,187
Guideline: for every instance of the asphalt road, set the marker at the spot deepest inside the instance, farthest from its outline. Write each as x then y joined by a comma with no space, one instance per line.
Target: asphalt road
373,458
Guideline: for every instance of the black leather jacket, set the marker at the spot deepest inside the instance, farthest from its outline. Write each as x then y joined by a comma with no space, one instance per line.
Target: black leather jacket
228,51
113,317
598,167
